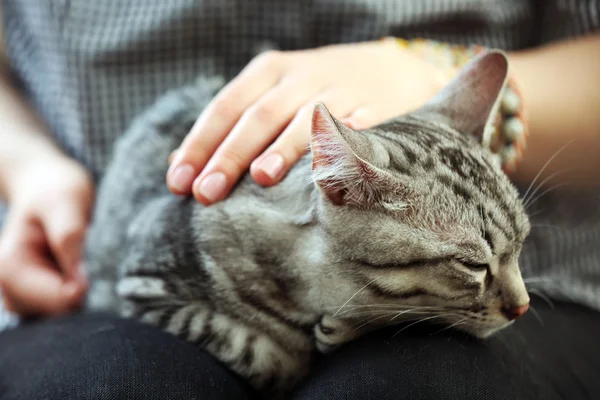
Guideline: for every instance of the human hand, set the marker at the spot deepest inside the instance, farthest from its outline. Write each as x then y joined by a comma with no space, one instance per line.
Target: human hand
261,119
42,240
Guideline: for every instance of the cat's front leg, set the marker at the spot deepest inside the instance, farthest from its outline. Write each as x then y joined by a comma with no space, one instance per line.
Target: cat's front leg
331,332
264,363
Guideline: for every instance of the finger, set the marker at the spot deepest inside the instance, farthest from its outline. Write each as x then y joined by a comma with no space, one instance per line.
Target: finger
30,282
361,118
38,289
173,155
65,228
257,128
220,116
292,144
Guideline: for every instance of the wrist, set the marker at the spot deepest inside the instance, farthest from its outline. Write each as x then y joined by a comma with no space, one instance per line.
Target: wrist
21,168
444,65
428,74
506,137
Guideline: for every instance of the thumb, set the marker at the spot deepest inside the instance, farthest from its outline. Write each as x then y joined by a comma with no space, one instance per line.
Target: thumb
30,283
65,227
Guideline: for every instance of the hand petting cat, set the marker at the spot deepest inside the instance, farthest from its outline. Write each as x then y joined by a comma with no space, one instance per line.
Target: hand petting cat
261,119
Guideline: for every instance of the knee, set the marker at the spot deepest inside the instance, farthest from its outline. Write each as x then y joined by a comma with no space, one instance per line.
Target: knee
99,356
413,367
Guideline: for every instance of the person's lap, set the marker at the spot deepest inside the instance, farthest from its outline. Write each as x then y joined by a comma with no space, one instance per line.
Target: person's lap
101,357
554,355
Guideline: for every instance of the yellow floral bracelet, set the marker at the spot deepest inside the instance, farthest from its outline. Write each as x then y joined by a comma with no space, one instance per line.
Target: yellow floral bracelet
509,134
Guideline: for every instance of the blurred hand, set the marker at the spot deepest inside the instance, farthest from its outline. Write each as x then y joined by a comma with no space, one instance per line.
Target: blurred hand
261,119
42,240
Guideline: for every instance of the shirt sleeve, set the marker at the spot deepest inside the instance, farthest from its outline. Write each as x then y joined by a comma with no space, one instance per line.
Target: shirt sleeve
561,19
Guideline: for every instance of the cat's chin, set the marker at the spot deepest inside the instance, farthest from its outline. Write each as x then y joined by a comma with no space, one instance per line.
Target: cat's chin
485,332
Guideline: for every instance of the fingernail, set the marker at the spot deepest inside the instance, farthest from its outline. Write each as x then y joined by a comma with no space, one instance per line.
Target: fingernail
272,165
213,186
182,177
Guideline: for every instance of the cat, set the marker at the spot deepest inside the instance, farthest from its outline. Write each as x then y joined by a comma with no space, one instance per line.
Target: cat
413,218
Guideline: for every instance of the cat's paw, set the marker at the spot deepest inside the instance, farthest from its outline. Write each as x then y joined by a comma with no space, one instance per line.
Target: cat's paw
331,332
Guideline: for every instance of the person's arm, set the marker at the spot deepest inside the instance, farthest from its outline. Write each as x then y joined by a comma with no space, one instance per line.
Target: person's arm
560,84
49,197
23,139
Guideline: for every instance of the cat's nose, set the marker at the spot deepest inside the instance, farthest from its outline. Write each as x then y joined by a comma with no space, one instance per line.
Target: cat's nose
514,312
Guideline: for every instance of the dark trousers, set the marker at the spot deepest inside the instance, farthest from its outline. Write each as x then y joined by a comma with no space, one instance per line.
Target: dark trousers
555,356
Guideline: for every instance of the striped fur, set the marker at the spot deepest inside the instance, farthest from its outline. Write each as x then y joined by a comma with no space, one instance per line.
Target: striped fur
410,219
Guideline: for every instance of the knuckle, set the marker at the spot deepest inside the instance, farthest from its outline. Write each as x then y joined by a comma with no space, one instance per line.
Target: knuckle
300,150
69,238
233,161
263,112
224,109
82,194
269,59
307,110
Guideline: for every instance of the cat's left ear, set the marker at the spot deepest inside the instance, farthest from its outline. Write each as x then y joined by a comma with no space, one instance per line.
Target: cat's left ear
471,100
342,163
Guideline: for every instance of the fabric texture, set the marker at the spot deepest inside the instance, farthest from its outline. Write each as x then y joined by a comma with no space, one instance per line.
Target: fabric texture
90,67
102,357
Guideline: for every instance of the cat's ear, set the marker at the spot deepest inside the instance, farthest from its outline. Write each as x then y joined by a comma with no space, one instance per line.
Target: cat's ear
341,166
470,101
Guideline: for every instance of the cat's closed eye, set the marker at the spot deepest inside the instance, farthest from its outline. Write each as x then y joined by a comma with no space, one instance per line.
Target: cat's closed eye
474,266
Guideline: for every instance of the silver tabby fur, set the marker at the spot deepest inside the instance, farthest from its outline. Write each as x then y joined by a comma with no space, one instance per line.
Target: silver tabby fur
412,219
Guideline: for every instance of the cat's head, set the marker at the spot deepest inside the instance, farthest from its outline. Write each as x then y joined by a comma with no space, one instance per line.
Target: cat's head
421,215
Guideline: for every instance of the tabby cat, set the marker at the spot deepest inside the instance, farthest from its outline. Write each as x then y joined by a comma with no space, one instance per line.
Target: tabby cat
410,220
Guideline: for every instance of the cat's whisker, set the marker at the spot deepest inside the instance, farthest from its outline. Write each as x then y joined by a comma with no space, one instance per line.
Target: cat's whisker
374,312
354,311
538,279
379,311
422,320
370,321
537,212
548,178
541,295
368,313
550,189
459,322
390,305
556,284
386,313
545,226
525,199
349,310
416,310
404,312
536,314
355,294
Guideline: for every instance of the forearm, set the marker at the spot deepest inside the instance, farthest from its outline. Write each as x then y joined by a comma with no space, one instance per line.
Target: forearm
560,84
23,137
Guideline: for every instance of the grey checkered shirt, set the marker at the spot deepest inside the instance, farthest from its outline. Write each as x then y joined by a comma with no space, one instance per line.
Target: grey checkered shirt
90,67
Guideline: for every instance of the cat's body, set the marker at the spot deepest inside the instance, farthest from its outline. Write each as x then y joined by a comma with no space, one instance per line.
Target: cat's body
411,213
